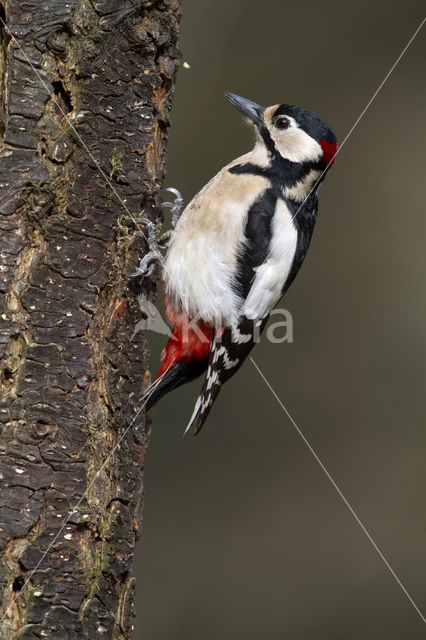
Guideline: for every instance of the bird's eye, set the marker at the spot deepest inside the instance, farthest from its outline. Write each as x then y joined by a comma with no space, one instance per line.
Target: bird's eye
282,122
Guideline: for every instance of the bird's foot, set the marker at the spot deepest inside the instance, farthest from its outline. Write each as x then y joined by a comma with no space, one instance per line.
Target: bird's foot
175,209
146,266
147,263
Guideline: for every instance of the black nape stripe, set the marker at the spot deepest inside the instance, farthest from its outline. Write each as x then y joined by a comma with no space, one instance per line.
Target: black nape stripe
251,168
281,172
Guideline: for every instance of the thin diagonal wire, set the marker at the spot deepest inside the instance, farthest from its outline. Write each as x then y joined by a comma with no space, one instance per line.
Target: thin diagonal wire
153,247
134,220
339,491
357,121
83,144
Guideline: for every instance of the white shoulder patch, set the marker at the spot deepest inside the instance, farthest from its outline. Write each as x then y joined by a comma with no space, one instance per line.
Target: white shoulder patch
272,274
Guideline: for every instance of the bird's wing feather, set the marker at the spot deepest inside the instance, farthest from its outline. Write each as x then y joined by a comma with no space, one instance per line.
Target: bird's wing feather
270,276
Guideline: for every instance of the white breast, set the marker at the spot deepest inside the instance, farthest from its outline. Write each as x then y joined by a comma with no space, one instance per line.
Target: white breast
202,258
272,274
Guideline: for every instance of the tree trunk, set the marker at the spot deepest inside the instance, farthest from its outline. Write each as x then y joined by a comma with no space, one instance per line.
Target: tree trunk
85,95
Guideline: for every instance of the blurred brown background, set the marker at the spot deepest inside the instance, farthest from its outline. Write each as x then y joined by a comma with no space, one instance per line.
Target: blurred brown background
244,536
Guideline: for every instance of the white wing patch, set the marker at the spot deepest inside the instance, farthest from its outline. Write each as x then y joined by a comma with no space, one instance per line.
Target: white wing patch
272,274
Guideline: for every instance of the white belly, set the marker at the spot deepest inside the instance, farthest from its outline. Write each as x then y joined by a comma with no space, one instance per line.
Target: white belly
198,277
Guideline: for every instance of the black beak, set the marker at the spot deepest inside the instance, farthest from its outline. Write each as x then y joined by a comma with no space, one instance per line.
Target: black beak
249,108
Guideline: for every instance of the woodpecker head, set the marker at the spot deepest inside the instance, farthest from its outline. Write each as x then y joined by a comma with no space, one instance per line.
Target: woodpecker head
290,133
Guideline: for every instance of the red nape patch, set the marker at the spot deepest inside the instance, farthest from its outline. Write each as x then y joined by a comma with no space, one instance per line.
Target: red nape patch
190,341
329,150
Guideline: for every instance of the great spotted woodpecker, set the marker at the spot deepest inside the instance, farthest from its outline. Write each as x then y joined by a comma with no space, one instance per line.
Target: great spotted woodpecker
237,248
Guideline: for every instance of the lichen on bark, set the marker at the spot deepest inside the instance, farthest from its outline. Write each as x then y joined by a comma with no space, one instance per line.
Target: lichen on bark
84,108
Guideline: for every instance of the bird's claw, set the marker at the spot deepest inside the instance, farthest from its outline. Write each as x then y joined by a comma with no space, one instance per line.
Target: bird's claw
147,263
176,206
146,266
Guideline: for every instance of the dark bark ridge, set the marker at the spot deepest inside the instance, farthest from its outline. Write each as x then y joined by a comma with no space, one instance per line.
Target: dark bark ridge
70,377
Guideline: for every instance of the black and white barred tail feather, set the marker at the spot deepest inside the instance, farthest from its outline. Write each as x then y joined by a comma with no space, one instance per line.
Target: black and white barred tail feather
227,354
209,391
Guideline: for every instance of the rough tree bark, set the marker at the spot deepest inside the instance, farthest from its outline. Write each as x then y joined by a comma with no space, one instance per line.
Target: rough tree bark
84,82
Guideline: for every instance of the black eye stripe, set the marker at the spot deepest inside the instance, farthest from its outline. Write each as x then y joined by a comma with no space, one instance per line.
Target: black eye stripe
281,122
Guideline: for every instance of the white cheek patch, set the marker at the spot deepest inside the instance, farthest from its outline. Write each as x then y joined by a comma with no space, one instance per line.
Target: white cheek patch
296,145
